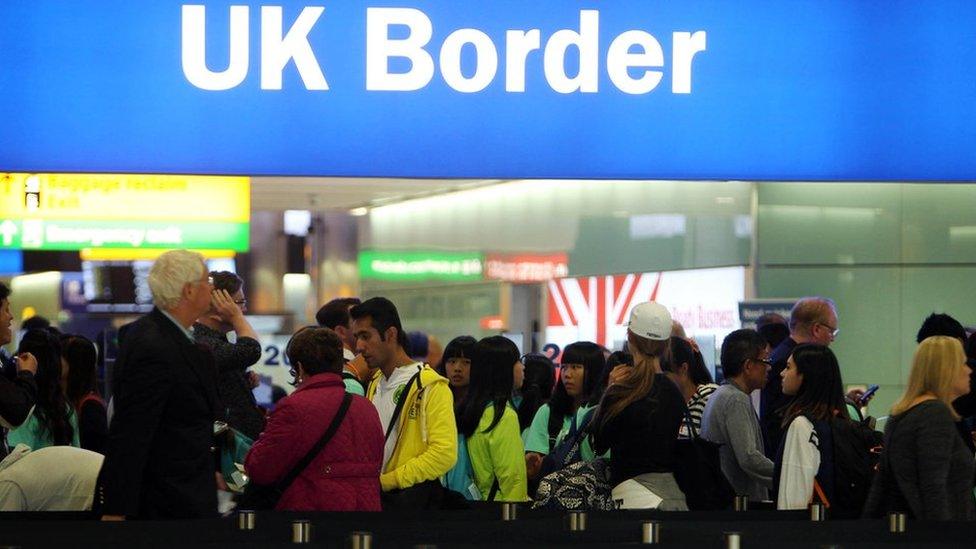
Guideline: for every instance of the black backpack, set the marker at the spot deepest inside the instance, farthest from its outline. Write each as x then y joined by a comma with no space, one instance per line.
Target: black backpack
857,457
698,472
569,450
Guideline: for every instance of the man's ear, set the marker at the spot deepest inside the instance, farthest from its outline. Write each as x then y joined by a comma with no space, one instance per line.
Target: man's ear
389,333
684,369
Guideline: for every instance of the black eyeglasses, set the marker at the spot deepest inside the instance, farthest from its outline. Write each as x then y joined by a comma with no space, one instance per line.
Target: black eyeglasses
833,331
240,302
765,361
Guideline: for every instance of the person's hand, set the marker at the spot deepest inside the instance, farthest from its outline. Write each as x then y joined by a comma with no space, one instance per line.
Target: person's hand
533,463
360,367
619,373
224,306
113,518
854,395
253,379
26,362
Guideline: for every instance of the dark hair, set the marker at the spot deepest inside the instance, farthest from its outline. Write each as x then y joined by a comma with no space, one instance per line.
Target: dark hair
336,312
51,409
738,347
768,319
821,394
970,346
36,322
774,333
227,281
82,357
940,324
615,359
590,355
383,315
683,353
318,350
459,347
4,292
419,345
540,377
492,381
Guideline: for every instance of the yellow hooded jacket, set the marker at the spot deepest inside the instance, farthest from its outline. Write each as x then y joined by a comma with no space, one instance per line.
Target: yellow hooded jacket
426,445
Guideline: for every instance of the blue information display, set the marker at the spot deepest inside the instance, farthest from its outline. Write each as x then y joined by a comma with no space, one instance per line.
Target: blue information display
642,89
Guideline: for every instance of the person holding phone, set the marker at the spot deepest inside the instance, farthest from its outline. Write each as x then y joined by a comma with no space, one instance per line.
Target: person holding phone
18,388
927,470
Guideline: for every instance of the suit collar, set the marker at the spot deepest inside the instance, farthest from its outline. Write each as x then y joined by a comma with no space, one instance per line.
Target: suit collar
198,358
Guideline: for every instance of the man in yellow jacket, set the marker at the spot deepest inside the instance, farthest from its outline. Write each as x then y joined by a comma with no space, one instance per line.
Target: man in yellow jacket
415,406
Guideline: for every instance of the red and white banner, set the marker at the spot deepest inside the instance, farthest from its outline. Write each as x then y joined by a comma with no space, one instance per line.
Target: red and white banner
596,308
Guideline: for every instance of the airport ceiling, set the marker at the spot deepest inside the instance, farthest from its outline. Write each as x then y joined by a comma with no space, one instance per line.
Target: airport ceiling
334,193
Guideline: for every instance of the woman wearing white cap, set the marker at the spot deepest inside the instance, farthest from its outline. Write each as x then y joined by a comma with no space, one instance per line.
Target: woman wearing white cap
639,418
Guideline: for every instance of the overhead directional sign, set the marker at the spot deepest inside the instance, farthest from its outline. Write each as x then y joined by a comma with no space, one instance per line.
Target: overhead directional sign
630,89
420,265
74,212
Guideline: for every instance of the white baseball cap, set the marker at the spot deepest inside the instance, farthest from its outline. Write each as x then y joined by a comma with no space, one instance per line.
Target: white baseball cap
650,320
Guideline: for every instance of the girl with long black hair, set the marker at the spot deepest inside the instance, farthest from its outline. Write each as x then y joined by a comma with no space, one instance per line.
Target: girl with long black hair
53,421
489,424
79,359
577,391
812,376
455,365
540,376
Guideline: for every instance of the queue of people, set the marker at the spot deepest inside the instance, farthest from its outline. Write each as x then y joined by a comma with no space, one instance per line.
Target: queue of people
374,426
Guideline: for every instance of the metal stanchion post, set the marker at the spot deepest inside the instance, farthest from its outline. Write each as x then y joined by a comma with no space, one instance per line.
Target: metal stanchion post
361,540
732,540
651,532
818,513
576,521
897,523
509,511
741,503
301,531
246,519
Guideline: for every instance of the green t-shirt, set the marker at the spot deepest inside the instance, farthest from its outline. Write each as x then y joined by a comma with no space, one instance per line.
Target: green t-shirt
499,454
352,385
31,433
536,437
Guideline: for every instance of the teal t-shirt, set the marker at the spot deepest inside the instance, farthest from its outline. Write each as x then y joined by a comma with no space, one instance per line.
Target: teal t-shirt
536,437
31,433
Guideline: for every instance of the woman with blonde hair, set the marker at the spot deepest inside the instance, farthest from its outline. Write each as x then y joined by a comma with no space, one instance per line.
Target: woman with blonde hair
927,471
639,417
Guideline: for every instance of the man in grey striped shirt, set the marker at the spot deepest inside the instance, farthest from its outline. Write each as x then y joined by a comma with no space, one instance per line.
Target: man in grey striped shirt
730,419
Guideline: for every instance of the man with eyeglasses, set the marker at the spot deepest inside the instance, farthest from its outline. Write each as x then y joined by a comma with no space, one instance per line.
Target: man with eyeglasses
730,419
812,320
158,462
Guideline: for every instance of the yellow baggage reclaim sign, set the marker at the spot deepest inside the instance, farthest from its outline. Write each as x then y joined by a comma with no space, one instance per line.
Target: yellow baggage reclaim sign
78,211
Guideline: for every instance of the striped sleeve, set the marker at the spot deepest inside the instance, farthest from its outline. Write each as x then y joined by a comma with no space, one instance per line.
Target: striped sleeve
696,406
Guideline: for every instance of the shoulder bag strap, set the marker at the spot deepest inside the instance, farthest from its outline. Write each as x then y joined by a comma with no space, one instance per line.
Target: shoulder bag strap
329,433
494,490
399,405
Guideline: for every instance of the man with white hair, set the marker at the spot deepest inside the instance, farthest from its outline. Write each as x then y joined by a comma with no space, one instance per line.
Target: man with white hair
159,463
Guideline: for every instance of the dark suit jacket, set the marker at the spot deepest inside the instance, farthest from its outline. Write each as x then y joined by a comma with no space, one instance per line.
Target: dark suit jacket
772,399
159,462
